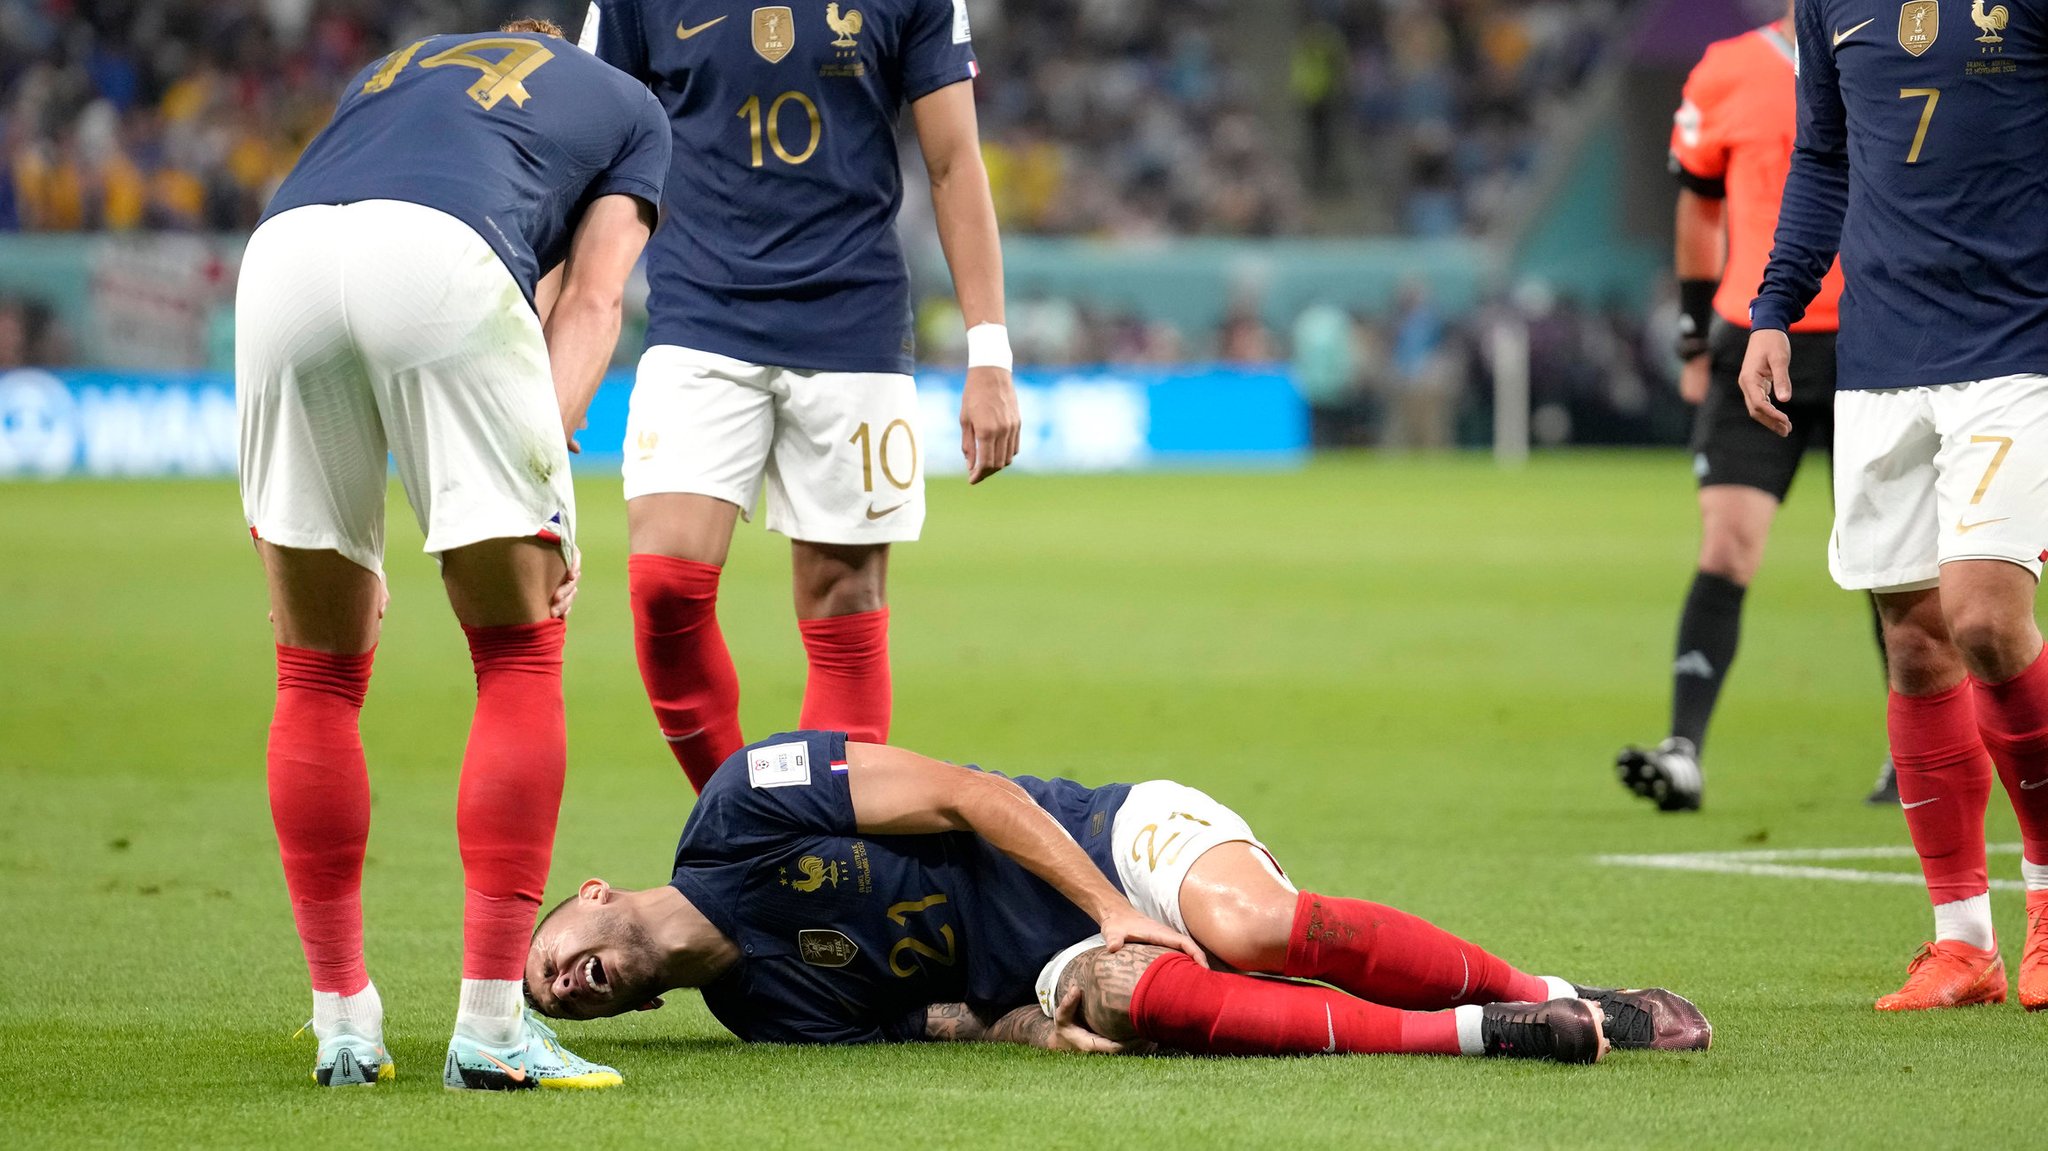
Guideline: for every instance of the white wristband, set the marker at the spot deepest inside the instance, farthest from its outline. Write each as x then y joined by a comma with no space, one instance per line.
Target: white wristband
988,346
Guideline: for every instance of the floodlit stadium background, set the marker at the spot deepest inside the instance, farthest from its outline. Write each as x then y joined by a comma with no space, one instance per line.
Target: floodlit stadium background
1262,255
1409,209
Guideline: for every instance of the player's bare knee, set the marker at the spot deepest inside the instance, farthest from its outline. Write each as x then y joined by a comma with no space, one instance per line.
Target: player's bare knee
1920,660
321,600
1250,936
682,526
1994,644
839,579
503,582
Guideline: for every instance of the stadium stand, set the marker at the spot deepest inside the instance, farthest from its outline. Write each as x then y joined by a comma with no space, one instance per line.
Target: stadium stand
1119,122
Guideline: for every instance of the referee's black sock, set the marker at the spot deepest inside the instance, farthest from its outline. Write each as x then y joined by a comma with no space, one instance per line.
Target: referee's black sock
1707,633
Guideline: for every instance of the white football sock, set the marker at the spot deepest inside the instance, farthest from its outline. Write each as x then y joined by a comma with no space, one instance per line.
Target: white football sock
2034,874
489,1011
361,1014
1967,921
1471,1040
1559,988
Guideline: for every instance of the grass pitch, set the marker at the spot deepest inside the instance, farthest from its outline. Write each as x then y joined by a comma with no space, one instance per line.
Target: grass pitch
1409,674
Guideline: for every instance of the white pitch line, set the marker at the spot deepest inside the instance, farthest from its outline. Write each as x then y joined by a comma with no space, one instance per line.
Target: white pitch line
1774,864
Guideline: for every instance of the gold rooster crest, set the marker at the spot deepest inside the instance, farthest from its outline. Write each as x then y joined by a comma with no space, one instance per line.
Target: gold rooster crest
848,26
1919,24
817,873
1990,23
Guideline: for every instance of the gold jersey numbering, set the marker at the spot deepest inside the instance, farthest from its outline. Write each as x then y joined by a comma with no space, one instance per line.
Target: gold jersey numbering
502,78
906,958
770,126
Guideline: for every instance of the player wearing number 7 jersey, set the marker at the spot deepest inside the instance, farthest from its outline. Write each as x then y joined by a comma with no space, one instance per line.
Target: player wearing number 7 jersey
1919,156
779,345
385,310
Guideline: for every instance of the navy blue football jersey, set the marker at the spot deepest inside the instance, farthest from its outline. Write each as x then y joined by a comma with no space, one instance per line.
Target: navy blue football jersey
512,133
847,938
1920,157
781,245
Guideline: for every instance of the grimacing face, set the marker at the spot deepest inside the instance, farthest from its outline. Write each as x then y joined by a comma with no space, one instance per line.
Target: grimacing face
591,959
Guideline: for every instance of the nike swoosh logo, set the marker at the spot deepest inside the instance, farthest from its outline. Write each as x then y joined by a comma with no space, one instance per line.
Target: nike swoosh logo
515,1074
2029,785
1963,529
1841,36
875,515
1332,1025
1922,803
683,33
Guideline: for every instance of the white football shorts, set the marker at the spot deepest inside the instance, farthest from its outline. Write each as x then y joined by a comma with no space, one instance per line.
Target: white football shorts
1927,476
1160,831
384,326
838,450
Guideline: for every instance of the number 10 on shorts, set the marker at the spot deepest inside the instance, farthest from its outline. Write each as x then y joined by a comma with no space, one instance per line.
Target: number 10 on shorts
875,454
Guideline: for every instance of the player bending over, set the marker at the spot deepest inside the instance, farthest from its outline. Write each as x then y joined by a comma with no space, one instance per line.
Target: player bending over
827,891
1941,422
385,306
1730,145
779,341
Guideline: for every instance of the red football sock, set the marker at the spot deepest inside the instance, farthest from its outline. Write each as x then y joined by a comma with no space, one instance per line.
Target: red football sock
1944,785
1392,957
320,804
1181,1004
848,686
683,661
2013,719
511,792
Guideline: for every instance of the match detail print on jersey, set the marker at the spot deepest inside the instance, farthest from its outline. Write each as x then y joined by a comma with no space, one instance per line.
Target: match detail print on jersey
779,765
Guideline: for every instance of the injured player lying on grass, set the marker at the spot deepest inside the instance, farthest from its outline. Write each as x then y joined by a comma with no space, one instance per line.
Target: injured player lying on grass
835,892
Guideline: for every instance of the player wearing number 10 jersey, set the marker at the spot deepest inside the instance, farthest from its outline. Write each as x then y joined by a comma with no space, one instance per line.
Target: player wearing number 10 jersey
1919,156
779,332
384,311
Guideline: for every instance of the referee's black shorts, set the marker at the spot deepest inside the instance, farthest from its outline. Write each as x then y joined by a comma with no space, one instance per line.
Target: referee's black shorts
1728,447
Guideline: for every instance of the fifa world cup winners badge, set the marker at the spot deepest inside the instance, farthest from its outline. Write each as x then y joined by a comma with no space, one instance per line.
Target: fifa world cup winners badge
1919,24
774,33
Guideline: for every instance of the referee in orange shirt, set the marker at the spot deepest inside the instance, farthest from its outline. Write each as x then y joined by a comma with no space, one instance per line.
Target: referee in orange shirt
1731,147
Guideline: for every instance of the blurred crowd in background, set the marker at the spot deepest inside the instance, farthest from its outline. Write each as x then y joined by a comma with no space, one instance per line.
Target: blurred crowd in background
1120,119
1102,117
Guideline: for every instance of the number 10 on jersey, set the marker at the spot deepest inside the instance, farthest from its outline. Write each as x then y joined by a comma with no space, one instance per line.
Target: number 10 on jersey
770,126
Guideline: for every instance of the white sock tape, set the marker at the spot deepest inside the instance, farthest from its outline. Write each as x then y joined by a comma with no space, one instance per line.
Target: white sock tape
988,346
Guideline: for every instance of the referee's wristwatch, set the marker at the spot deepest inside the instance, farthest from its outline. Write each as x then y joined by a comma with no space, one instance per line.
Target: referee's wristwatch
1695,316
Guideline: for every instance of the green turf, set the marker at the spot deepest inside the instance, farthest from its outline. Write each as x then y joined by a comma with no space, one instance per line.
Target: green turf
1409,674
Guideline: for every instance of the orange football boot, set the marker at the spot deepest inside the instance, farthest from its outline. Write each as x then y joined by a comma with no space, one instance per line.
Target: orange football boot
2034,960
1949,973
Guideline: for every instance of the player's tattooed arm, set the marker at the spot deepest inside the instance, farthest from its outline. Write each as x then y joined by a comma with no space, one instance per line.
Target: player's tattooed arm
954,1023
959,1023
1028,1026
1101,984
1094,1013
